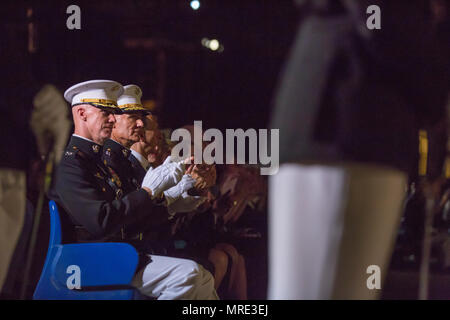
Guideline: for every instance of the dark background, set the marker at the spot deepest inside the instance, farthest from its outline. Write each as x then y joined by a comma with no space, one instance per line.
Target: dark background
157,45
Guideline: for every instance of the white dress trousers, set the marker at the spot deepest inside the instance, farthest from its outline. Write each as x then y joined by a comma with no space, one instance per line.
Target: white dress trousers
167,278
327,225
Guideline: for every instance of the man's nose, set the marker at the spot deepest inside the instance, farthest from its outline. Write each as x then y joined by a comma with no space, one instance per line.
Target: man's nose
112,118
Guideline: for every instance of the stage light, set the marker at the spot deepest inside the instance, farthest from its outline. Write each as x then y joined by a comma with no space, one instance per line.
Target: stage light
214,45
195,4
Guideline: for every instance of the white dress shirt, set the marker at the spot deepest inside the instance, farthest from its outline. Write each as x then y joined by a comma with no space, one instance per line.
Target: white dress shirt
76,135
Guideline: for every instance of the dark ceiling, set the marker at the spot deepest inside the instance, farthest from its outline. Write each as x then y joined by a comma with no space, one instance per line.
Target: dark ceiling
157,45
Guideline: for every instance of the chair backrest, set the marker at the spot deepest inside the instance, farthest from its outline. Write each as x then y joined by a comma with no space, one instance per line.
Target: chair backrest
44,287
52,284
55,225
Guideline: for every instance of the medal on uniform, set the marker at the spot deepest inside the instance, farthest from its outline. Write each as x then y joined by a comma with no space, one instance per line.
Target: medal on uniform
115,178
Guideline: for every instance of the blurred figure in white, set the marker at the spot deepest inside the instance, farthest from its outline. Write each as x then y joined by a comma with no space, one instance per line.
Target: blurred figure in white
349,108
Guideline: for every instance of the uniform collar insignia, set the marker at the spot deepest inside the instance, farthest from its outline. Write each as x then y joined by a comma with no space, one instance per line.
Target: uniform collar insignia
116,148
86,146
95,148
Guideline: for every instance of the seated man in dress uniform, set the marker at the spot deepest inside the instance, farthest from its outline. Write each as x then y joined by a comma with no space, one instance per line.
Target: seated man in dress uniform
128,129
97,209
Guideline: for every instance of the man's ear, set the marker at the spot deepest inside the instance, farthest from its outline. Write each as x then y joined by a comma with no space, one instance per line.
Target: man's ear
82,113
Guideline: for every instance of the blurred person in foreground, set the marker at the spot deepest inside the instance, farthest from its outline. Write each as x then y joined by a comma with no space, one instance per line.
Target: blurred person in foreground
349,106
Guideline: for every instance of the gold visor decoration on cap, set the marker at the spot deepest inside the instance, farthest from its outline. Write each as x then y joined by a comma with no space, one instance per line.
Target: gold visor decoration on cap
132,107
101,102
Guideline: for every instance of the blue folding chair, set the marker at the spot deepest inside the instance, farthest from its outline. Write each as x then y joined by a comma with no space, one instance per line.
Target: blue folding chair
105,269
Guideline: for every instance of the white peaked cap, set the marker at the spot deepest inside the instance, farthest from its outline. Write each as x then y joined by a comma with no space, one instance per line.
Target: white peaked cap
100,93
130,100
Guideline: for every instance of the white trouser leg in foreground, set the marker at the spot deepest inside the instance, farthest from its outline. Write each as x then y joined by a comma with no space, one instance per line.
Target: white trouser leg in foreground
169,278
327,224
